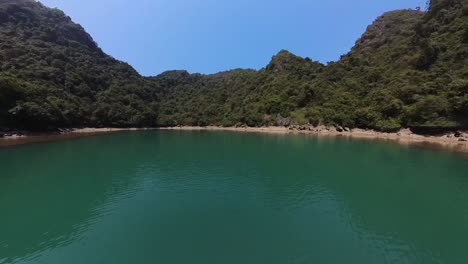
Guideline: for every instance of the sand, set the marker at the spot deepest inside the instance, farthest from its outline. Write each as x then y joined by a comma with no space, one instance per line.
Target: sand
447,141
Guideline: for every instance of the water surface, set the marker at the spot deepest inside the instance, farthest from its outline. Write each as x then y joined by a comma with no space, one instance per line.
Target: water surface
223,197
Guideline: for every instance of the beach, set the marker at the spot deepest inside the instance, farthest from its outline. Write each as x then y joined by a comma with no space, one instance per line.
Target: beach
452,141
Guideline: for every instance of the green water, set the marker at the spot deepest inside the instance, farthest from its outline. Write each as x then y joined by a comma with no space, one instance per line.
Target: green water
219,197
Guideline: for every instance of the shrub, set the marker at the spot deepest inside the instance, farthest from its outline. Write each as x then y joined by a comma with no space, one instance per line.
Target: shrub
388,125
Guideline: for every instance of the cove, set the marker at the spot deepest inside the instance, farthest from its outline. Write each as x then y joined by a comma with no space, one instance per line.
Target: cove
225,197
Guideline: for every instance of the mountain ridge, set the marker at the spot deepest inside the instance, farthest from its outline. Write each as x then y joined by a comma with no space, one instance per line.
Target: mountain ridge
404,71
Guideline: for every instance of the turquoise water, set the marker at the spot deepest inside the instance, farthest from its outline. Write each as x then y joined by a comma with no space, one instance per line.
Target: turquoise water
221,197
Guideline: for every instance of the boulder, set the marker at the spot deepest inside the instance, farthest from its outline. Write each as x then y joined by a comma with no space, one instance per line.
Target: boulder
462,139
458,134
347,129
339,129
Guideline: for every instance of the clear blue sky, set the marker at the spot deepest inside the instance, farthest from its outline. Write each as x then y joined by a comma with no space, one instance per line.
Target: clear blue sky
208,36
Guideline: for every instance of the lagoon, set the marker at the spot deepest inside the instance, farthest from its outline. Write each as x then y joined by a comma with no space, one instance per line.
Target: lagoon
225,197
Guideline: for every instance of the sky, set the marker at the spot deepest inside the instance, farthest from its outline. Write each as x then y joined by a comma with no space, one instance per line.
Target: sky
208,36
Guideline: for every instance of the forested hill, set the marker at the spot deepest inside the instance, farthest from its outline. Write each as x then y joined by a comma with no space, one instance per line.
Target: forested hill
54,75
409,69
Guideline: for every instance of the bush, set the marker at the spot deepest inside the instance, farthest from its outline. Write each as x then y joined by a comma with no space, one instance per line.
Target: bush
388,125
367,117
314,117
299,117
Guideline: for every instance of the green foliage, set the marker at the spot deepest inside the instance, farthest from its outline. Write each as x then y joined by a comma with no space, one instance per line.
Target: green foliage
409,69
299,117
388,125
430,111
10,91
58,77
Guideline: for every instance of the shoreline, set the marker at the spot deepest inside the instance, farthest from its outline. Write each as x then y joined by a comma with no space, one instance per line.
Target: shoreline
446,141
21,138
451,141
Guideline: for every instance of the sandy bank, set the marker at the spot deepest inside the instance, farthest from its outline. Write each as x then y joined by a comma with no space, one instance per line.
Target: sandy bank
457,142
13,138
450,141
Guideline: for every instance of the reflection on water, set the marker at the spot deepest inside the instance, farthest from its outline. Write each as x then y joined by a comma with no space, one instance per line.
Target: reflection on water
220,197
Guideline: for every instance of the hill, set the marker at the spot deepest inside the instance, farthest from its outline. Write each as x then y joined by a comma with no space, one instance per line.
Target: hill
54,75
409,69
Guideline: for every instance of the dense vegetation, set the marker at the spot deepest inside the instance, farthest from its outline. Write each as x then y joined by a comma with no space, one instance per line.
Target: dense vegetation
54,75
409,69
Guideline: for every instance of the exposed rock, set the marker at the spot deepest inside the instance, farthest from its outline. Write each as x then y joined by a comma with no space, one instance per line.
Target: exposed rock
347,129
458,134
240,125
284,122
462,139
339,129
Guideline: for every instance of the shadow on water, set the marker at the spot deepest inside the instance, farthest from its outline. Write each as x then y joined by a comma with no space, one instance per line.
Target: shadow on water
222,197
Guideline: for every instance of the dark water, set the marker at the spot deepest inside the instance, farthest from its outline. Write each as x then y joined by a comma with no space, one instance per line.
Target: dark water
219,197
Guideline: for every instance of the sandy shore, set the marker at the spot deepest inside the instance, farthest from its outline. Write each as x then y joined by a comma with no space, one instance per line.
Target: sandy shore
21,138
457,142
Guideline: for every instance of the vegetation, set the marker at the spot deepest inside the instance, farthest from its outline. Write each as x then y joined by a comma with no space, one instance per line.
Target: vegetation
409,69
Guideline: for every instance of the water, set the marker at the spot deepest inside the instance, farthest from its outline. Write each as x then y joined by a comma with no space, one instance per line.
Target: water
221,197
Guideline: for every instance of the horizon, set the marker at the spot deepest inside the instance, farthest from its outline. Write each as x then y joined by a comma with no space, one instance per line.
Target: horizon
222,36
